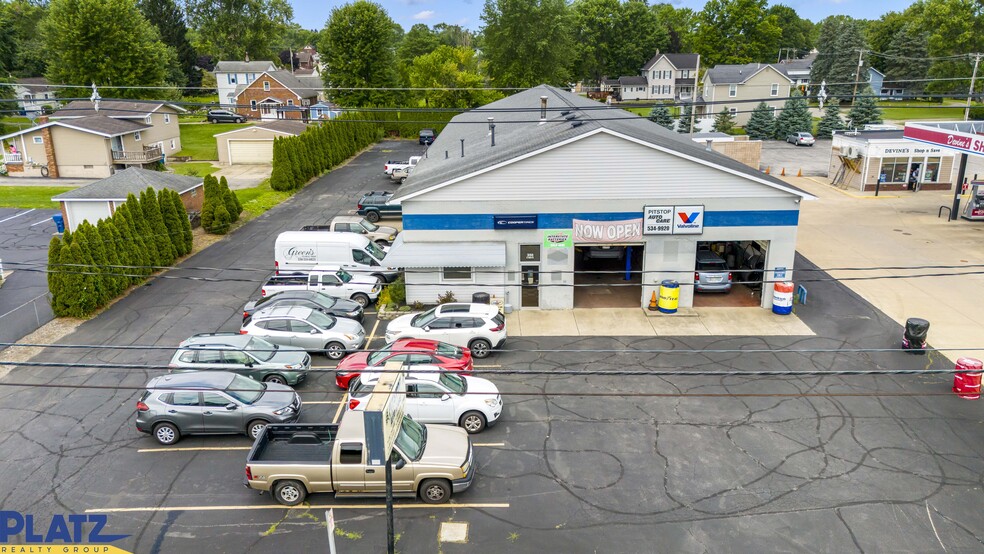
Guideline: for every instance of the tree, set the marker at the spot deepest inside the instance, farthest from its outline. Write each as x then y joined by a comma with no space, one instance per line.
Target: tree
954,28
595,27
418,41
104,42
907,60
683,124
794,117
54,270
865,109
640,37
527,42
762,124
116,280
233,29
172,222
724,122
208,202
95,255
660,114
169,19
880,33
841,40
155,221
736,32
220,225
281,176
796,33
358,45
21,51
449,68
831,120
186,233
679,25
454,36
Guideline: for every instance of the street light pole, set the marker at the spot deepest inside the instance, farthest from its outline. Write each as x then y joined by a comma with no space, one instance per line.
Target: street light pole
857,75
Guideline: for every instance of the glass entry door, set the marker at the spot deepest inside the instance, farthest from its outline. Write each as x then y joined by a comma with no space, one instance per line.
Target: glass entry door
530,281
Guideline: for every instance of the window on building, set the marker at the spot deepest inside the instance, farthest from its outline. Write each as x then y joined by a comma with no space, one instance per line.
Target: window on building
172,144
149,120
732,90
266,85
231,78
655,89
775,90
667,89
685,74
775,111
136,136
931,173
733,111
457,274
28,97
895,169
290,102
167,118
38,140
252,105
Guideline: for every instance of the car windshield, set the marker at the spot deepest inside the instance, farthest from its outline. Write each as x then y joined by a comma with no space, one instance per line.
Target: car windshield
261,349
424,318
345,276
453,383
712,265
412,438
449,350
325,301
321,320
245,390
375,251
376,357
368,226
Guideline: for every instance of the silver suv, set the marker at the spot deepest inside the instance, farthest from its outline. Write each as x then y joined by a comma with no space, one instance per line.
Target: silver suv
212,402
252,357
305,328
712,273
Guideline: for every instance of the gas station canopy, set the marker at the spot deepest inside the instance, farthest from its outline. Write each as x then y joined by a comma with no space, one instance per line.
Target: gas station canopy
962,136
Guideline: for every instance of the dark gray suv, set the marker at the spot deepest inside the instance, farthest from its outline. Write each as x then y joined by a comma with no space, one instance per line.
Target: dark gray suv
249,356
224,116
213,402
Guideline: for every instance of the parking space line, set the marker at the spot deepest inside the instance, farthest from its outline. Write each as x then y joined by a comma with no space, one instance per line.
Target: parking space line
42,221
488,444
373,332
341,405
301,507
324,367
488,365
17,215
321,401
194,449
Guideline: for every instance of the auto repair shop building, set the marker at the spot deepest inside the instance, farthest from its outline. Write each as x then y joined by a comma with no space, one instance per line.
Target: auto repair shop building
568,203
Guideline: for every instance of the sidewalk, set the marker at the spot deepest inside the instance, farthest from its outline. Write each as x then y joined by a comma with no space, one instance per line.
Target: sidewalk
844,229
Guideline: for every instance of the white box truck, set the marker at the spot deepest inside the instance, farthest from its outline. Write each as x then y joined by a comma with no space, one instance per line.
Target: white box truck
303,250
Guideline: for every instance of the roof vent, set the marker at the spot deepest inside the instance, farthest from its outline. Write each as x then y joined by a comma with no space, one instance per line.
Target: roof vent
565,112
543,109
576,123
570,116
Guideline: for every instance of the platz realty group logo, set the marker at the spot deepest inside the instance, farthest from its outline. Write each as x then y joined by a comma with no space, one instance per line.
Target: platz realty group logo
73,533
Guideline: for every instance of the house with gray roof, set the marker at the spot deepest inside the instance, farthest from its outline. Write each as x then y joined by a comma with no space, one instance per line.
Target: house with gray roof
160,138
583,205
33,94
671,76
277,95
229,75
740,88
98,200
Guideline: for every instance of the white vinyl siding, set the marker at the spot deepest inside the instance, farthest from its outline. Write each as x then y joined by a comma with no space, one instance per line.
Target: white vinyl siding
491,281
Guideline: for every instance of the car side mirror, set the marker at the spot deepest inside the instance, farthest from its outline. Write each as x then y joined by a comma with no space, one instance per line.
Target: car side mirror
249,363
400,464
314,331
427,328
231,406
445,397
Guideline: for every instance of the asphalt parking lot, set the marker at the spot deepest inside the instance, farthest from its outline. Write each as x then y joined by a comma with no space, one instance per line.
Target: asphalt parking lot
24,237
581,461
811,160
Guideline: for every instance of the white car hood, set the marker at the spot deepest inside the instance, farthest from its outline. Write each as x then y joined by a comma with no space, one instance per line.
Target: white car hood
400,324
477,385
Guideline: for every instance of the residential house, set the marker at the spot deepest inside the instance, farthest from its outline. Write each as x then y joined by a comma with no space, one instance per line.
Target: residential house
884,90
33,94
80,141
740,88
798,70
632,87
230,75
324,110
254,144
308,59
275,95
671,76
100,199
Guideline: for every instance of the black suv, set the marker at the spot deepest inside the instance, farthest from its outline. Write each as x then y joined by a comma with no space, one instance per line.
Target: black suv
373,205
225,116
427,136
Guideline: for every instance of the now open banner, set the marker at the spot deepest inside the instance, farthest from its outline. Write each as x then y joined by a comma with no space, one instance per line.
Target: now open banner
627,230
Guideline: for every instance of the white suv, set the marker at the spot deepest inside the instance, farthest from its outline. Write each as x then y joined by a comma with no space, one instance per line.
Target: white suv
478,327
439,397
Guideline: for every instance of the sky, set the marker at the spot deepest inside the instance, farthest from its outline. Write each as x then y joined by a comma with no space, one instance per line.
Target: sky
312,14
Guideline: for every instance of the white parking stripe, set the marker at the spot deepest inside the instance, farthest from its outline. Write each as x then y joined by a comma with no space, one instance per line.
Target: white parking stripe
194,449
488,444
42,222
17,215
450,505
322,401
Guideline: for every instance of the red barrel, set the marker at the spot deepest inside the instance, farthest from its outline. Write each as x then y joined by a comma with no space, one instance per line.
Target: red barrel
968,384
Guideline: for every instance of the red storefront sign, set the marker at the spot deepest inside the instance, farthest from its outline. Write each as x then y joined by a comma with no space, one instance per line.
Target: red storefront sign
954,140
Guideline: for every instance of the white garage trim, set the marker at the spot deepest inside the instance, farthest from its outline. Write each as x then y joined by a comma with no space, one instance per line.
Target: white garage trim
79,211
261,150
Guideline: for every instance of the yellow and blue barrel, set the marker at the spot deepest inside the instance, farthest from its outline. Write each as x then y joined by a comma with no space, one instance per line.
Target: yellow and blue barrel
669,297
782,298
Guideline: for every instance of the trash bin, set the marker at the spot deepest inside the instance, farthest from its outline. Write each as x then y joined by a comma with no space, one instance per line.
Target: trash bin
59,222
669,296
782,298
481,298
916,331
968,384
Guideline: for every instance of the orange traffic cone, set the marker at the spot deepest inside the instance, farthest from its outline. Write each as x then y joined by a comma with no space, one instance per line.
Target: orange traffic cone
800,172
768,170
783,172
652,303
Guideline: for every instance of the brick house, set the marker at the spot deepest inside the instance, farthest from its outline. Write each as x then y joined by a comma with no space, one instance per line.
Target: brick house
276,95
230,75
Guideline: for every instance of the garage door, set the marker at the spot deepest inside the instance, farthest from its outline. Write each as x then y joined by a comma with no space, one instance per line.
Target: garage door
250,151
85,211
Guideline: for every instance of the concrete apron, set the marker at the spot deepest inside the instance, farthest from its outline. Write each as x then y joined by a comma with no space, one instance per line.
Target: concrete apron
636,322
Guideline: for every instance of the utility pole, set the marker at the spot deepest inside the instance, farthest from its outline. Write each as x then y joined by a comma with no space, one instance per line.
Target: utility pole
970,93
693,97
857,75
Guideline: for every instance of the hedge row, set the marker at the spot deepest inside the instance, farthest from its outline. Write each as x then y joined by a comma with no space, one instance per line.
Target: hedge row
409,124
94,264
220,207
297,159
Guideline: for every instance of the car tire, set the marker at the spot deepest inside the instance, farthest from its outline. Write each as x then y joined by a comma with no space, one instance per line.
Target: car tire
289,493
166,433
480,348
213,120
255,427
372,216
240,120
473,422
361,298
435,491
279,379
403,180
335,350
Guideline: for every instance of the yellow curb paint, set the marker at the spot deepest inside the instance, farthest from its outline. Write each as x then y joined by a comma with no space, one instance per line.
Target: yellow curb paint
279,507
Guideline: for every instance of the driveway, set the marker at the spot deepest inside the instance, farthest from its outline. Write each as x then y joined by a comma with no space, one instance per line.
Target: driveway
244,176
811,160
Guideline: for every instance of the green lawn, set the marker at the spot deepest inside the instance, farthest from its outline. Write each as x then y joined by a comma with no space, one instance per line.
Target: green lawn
198,140
30,197
912,110
195,169
259,199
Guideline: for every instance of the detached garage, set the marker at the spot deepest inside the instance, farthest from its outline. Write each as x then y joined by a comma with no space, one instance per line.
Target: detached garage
254,144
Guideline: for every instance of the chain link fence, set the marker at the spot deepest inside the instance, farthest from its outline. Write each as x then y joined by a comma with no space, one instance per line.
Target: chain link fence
25,319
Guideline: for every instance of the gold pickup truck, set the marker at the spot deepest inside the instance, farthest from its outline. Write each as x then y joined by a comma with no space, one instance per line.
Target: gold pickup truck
294,460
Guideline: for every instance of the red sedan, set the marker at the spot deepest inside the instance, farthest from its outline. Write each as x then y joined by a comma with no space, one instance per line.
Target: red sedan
409,351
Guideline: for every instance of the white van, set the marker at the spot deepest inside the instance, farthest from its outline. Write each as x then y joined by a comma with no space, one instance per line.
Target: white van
303,250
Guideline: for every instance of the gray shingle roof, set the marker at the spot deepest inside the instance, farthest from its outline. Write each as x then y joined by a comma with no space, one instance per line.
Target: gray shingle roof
632,80
111,108
801,64
292,126
518,132
244,67
35,84
679,61
131,180
737,74
104,125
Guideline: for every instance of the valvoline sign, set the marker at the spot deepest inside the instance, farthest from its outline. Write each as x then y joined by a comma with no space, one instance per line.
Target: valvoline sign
688,220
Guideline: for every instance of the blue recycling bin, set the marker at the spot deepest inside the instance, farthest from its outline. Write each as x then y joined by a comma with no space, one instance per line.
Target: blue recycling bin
59,222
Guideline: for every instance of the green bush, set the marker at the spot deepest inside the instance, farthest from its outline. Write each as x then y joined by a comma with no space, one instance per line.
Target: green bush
446,298
397,291
221,221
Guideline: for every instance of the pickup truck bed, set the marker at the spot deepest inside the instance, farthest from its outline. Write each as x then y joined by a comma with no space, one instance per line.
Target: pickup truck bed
296,443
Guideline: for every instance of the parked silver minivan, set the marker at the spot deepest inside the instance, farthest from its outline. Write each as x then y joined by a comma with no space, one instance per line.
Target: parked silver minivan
712,273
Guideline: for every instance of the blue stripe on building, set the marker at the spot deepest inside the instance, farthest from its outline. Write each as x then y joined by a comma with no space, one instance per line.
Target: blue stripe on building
486,222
